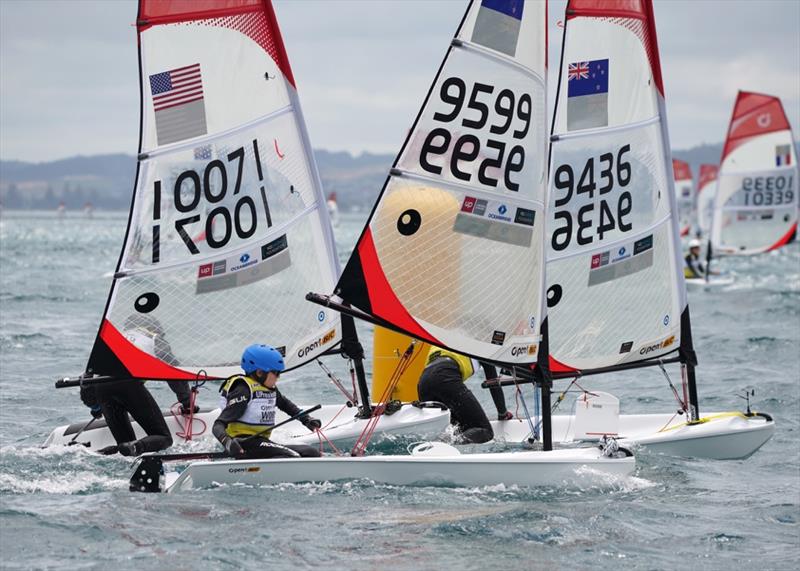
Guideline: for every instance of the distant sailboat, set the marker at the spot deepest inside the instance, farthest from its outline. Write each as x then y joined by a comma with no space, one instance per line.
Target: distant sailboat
706,190
333,209
684,191
756,205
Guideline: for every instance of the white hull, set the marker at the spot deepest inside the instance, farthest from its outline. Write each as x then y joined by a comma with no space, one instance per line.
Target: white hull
583,466
339,425
724,436
713,283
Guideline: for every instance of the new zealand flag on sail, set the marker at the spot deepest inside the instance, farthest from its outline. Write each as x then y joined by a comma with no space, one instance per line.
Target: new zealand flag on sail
587,94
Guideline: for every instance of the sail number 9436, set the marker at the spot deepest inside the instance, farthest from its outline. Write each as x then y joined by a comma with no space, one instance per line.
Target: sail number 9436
508,114
600,216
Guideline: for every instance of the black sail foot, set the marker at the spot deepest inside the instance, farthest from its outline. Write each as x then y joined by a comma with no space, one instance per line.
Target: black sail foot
147,475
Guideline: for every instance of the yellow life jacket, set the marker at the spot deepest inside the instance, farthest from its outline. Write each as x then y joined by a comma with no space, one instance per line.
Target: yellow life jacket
260,412
464,363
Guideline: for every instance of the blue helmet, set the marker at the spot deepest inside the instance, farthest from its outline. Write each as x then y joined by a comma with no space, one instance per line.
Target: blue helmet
262,357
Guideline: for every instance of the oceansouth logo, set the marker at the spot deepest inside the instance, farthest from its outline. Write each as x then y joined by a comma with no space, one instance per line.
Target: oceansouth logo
502,209
244,257
622,251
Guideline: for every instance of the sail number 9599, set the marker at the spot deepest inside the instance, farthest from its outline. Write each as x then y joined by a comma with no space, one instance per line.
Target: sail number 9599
597,217
508,113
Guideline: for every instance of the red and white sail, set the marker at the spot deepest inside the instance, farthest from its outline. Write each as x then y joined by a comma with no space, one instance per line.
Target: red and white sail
453,250
757,199
616,293
706,191
684,192
228,222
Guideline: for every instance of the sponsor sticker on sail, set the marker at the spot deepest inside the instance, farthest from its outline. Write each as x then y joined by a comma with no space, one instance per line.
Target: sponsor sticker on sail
623,260
496,220
587,94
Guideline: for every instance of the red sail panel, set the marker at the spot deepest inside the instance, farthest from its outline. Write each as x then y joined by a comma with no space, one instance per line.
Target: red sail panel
253,18
681,170
708,173
754,114
636,15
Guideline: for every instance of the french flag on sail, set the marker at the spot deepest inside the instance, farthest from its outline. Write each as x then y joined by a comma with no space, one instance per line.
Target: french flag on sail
497,25
179,104
587,94
783,155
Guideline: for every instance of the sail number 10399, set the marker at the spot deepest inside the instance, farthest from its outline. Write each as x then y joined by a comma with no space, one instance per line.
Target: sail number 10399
605,211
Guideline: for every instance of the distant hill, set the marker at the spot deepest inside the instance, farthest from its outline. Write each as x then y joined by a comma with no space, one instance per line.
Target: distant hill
107,180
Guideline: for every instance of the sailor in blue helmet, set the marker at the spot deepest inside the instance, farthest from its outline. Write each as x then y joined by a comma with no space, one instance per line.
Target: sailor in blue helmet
248,405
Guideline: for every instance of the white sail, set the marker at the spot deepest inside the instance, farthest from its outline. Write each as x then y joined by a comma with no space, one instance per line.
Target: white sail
616,293
453,250
706,191
684,194
755,209
228,222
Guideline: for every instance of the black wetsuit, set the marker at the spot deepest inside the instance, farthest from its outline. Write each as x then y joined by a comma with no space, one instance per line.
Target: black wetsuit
119,398
259,447
441,381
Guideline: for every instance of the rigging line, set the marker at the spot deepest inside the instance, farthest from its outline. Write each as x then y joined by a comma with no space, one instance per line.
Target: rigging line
674,391
524,406
337,383
470,190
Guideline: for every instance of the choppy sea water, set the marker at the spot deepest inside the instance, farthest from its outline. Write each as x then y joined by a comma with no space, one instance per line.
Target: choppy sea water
68,509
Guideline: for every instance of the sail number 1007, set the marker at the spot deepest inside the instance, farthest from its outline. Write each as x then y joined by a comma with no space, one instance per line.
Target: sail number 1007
597,217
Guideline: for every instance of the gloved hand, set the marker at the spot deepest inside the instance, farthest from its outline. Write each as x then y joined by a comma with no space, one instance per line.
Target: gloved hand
186,407
132,448
311,423
507,416
89,396
97,412
233,447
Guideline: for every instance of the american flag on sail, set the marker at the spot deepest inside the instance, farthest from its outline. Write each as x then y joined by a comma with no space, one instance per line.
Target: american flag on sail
178,104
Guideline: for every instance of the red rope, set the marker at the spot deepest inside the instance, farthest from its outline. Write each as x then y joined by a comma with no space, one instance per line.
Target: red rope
405,362
187,430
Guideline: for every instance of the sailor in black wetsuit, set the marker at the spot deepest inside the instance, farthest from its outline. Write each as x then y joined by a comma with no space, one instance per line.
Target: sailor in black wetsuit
116,399
443,381
248,405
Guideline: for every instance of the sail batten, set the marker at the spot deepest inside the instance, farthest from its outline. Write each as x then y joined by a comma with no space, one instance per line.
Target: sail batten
226,225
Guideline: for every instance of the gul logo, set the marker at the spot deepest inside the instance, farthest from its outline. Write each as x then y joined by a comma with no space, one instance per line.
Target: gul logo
324,340
321,316
666,320
469,204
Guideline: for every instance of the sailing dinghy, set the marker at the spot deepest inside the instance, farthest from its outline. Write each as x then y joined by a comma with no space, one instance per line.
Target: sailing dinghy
228,225
684,191
453,254
616,297
756,204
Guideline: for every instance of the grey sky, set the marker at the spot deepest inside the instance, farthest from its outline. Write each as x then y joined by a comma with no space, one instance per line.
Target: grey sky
69,85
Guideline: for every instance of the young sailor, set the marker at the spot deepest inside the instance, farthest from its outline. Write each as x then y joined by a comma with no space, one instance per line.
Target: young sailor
693,267
248,405
115,400
443,380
